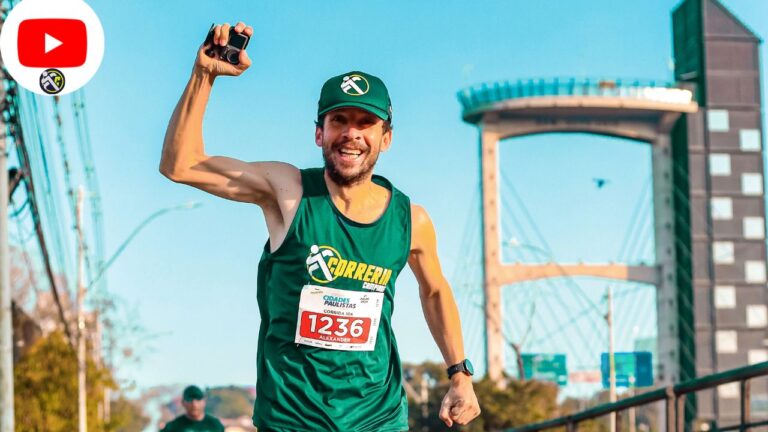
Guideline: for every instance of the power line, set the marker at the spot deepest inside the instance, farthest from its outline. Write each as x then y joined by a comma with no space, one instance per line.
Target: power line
15,130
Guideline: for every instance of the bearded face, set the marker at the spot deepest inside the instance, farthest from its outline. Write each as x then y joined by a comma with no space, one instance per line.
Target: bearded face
348,163
351,139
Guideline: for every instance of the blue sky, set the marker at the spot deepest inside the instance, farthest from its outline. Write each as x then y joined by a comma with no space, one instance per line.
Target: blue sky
190,277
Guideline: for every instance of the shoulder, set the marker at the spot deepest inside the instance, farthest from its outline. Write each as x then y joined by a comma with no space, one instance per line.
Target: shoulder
419,217
422,230
278,172
173,424
282,179
213,420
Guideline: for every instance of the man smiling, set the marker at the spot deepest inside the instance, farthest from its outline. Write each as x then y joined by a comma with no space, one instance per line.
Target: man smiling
339,236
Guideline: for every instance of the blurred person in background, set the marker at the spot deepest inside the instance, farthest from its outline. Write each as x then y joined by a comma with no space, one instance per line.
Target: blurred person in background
194,418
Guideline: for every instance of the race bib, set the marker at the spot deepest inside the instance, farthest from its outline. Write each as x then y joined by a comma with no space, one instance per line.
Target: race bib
338,319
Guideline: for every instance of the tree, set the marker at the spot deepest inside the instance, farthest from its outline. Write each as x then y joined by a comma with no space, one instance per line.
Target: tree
646,416
45,389
127,416
229,402
515,404
518,403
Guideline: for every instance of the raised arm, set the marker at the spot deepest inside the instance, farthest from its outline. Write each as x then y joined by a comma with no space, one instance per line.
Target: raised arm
184,159
460,403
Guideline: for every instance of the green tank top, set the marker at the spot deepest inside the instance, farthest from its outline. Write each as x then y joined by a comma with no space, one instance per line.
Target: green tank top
327,358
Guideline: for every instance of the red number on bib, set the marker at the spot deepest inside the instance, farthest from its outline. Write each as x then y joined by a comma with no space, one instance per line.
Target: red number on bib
332,328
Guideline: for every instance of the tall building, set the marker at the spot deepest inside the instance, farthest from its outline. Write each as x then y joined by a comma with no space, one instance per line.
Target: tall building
719,205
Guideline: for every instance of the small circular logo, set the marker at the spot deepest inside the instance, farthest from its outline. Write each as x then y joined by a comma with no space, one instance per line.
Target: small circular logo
52,81
39,36
354,85
321,262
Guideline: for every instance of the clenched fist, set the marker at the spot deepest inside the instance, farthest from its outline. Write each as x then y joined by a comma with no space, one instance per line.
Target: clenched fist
215,66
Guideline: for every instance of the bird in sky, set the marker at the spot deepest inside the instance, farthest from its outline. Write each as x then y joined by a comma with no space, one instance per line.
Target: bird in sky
600,182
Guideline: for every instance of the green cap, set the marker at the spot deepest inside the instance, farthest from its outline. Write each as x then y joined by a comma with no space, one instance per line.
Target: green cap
355,89
193,392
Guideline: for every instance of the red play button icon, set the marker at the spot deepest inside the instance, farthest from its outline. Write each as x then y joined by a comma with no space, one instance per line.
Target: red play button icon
52,43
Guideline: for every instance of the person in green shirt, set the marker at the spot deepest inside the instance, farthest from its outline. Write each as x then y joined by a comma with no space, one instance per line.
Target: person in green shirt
194,418
327,357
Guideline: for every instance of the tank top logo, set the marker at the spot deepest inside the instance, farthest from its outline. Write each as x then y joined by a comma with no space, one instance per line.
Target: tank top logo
325,264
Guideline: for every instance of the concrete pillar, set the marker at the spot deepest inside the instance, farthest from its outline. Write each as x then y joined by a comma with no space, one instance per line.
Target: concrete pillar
666,294
494,339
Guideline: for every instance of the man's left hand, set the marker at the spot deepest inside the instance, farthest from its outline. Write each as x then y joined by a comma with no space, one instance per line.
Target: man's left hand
460,403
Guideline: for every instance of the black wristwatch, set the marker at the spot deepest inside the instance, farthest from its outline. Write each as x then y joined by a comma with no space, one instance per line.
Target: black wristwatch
465,366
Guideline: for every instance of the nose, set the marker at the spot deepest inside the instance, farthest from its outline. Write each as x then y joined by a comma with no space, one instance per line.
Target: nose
353,132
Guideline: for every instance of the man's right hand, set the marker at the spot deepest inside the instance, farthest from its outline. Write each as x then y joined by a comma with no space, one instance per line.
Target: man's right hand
216,67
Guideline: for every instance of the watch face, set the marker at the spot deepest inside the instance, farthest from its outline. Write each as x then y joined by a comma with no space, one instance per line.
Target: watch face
468,366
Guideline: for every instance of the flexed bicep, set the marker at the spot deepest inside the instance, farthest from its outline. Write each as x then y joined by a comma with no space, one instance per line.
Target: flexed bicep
260,183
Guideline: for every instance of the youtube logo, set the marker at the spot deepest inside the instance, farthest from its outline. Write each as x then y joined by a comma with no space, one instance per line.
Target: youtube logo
52,43
51,47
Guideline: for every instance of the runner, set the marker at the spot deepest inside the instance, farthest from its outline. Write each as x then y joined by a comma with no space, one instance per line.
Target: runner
194,419
339,236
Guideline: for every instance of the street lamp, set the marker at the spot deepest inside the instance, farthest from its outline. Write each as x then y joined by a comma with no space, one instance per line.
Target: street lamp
82,289
185,206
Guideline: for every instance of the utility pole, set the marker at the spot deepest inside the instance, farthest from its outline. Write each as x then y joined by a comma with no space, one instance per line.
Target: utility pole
81,356
611,358
424,401
6,317
632,417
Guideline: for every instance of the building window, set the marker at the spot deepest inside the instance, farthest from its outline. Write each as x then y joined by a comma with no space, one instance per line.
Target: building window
754,271
718,120
752,184
725,297
720,164
749,140
757,316
754,227
757,356
723,252
725,341
722,208
728,391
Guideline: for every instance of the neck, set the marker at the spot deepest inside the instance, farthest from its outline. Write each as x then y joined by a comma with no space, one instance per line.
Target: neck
195,417
352,195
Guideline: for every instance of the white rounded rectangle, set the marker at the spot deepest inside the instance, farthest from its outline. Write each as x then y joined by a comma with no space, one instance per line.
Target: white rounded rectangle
338,319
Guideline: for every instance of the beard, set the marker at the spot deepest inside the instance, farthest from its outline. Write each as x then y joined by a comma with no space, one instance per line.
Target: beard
349,178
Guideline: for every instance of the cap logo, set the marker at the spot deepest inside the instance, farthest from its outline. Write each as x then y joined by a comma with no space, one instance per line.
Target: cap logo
354,85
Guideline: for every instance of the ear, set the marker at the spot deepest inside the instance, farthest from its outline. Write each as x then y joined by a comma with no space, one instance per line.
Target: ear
386,141
318,136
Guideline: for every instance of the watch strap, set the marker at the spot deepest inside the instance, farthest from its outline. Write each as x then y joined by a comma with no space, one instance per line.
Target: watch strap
458,367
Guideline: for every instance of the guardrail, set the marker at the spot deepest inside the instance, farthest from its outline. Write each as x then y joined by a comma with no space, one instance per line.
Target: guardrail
674,399
476,98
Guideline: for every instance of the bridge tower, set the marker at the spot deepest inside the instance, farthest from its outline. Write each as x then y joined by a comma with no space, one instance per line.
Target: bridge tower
724,198
709,210
643,111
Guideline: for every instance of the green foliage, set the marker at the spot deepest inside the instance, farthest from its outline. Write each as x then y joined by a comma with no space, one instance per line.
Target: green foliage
646,416
519,403
127,416
572,406
516,404
229,402
45,390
